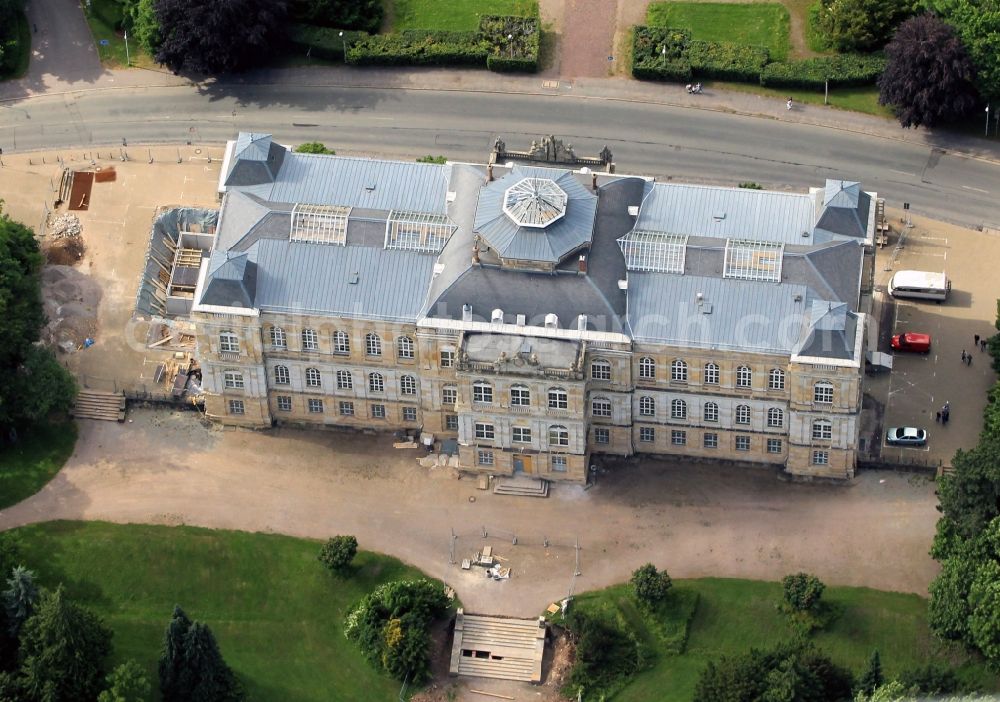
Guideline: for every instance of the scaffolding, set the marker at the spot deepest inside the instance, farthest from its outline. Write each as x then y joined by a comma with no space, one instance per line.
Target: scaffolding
747,259
417,231
656,252
320,224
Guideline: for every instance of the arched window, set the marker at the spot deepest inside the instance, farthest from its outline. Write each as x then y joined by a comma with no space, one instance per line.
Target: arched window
558,435
744,377
600,407
345,381
822,429
710,413
776,379
233,380
647,368
341,342
558,399
679,371
281,375
647,406
678,409
313,378
520,396
482,392
711,374
376,383
775,417
743,414
408,385
229,342
404,344
600,370
373,344
310,342
278,340
823,392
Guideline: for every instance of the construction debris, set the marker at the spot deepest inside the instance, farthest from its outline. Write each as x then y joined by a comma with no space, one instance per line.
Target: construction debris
67,225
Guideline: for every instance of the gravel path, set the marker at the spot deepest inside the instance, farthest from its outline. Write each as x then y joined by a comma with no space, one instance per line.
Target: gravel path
165,467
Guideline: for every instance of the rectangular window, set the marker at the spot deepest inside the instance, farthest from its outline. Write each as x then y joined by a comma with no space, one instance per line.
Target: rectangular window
309,340
742,443
559,464
447,359
601,408
409,414
234,379
647,434
774,445
520,397
821,458
451,422
711,374
602,435
236,407
284,403
482,393
315,406
521,435
823,393
229,343
678,438
484,431
449,396
484,458
710,440
347,409
378,411
558,399
600,370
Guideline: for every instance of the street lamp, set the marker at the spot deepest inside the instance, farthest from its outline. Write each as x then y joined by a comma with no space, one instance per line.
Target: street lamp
510,43
344,42
663,53
128,60
987,119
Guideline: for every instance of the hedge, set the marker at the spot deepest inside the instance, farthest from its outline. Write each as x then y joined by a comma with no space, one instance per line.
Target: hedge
419,47
323,42
650,62
727,61
842,71
518,54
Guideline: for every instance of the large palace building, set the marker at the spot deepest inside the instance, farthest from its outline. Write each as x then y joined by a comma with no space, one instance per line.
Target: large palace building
538,315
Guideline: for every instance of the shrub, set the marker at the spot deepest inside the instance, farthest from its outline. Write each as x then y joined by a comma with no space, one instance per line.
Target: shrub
440,160
651,62
750,185
842,71
365,15
930,679
419,47
650,585
726,61
607,654
802,591
517,54
322,42
314,147
338,552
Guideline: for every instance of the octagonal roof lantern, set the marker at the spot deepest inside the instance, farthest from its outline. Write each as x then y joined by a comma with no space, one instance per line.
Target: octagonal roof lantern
535,202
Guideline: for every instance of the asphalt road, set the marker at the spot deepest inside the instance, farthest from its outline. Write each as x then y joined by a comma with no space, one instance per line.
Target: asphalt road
667,142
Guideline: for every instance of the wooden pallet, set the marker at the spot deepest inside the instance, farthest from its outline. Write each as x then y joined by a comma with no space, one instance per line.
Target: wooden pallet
93,404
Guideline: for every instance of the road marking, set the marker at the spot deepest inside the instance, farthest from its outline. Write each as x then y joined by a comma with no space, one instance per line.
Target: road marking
912,175
978,190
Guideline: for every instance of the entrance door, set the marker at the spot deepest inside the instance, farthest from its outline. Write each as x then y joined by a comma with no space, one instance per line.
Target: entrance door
522,464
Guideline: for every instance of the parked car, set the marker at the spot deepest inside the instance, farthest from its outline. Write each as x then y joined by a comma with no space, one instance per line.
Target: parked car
912,341
906,436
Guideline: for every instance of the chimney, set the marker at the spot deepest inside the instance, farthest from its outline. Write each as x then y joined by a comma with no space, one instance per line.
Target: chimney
475,254
593,180
466,313
581,323
583,264
551,321
489,173
497,317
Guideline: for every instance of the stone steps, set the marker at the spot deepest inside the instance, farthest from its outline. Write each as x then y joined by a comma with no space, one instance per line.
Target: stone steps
93,404
523,487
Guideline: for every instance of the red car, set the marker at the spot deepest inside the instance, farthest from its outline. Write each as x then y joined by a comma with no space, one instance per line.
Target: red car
910,341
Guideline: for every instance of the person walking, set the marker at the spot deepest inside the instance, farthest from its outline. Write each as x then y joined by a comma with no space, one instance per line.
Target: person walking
976,337
982,344
964,354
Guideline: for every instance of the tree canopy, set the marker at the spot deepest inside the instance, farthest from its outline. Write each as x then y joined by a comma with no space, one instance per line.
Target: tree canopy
126,683
313,147
365,15
802,591
338,552
929,78
139,17
218,37
978,24
860,25
650,585
191,665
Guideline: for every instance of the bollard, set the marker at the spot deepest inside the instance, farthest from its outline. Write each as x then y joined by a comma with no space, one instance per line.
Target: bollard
150,151
484,532
513,541
178,155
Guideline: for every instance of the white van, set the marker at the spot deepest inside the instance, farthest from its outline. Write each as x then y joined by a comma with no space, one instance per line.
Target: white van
920,284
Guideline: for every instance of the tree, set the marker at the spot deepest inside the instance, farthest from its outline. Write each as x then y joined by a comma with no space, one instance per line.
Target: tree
978,24
970,496
802,591
929,79
894,691
63,649
930,679
313,147
139,17
859,25
606,653
650,585
218,37
20,598
872,676
191,665
126,683
365,15
338,552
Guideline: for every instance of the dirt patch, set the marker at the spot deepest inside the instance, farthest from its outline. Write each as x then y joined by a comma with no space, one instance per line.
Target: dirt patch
71,300
64,252
106,175
79,196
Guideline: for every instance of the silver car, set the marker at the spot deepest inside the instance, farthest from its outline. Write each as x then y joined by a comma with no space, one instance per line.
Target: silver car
906,436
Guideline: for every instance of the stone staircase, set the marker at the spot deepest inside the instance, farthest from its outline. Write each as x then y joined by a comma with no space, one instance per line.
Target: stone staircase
94,404
522,486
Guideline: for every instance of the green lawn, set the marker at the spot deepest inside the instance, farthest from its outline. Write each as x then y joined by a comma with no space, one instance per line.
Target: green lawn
454,14
860,99
37,456
731,616
275,610
765,24
102,17
23,48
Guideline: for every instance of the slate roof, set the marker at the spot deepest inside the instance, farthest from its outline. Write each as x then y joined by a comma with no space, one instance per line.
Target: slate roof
550,244
831,331
846,210
256,160
233,281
